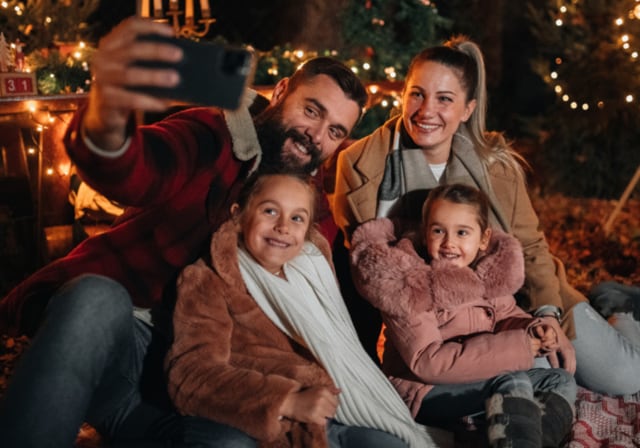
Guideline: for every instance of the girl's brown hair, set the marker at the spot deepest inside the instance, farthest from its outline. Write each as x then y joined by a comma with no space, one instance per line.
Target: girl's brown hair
458,194
256,182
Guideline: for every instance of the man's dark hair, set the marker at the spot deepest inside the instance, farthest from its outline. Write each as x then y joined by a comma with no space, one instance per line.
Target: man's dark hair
340,73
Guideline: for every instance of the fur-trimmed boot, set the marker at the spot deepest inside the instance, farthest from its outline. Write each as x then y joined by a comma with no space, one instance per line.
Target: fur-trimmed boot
513,422
557,419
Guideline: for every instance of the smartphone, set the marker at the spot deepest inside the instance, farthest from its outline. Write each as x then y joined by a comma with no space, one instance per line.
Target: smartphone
211,74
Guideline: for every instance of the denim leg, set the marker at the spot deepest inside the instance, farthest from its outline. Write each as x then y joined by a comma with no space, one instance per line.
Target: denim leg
199,432
87,328
558,381
627,326
446,403
131,417
343,436
606,361
517,384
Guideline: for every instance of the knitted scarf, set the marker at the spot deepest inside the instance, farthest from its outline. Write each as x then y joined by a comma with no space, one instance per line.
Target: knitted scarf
308,308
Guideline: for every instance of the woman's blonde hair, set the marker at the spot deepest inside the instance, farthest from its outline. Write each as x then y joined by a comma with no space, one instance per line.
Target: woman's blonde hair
465,58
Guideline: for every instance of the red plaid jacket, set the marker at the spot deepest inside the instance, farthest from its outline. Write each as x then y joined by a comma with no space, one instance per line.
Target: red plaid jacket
179,177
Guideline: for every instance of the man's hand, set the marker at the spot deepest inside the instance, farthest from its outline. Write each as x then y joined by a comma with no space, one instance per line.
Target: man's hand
111,100
565,356
312,405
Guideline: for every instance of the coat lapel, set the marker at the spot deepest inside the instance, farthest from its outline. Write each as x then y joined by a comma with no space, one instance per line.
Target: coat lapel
370,166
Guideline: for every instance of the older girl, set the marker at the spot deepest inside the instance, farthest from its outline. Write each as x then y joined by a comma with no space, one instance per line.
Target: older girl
263,341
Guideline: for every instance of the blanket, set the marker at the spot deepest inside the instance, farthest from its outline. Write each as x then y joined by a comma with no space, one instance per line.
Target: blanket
604,421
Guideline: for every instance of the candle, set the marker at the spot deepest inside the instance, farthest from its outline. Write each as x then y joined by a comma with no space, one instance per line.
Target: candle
204,9
189,9
157,8
144,9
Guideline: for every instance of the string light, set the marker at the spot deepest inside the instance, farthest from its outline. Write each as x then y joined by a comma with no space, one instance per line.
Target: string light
624,41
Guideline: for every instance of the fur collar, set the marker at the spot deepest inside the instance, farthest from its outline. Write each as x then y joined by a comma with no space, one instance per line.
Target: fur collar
243,132
396,280
498,272
501,267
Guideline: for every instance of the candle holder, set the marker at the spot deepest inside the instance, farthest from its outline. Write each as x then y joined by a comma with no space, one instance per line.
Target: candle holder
191,28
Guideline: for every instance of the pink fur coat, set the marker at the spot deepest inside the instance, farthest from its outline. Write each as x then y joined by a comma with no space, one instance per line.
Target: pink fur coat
444,324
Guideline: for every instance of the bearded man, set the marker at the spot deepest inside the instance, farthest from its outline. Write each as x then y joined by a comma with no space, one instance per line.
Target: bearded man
99,316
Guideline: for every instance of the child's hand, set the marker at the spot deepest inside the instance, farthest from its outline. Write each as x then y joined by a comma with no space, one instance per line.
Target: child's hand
312,405
536,345
547,336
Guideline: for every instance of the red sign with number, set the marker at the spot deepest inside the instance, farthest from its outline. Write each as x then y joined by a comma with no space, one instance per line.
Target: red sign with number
15,84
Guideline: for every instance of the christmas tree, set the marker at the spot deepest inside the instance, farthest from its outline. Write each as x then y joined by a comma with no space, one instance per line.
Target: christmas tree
589,56
41,23
379,38
386,34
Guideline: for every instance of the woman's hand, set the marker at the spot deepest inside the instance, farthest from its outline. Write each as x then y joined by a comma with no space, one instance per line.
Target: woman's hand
313,405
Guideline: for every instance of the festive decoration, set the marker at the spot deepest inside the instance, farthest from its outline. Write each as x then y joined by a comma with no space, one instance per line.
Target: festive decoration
42,23
60,71
612,31
40,30
381,36
18,55
12,81
5,54
189,26
17,84
589,59
379,39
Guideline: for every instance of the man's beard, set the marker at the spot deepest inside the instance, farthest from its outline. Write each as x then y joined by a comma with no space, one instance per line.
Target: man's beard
272,135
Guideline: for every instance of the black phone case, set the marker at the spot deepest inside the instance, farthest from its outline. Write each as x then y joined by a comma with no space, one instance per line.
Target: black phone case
211,74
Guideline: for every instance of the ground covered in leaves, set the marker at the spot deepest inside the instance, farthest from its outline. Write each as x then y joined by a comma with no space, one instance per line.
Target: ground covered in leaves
574,230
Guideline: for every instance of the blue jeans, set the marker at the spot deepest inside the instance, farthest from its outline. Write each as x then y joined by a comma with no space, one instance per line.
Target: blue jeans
341,436
606,361
92,361
446,403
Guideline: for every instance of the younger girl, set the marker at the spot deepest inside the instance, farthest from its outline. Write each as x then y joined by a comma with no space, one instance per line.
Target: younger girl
457,344
263,341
